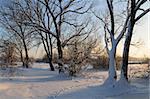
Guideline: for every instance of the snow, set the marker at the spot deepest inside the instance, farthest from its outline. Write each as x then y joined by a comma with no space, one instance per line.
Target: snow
39,82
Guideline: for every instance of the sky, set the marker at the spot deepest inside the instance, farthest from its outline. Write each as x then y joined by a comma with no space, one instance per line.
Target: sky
141,33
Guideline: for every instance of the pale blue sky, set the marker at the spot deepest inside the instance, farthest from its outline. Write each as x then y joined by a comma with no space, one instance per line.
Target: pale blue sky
142,34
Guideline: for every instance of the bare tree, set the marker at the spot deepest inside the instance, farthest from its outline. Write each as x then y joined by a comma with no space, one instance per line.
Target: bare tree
113,33
137,12
52,16
48,47
13,21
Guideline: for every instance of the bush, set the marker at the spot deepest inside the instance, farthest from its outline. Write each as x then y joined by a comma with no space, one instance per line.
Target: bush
118,62
78,55
102,62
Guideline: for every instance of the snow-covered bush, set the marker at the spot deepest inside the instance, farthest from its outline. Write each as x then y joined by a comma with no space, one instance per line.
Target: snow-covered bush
139,71
79,54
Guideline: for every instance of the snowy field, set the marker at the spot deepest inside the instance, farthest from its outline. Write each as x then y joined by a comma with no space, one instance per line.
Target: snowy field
40,83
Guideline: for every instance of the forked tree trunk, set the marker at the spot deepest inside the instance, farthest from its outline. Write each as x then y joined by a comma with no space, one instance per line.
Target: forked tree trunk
48,52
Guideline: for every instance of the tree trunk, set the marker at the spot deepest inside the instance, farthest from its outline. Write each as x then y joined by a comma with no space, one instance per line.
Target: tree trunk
51,54
60,55
22,60
26,61
48,52
51,47
124,68
50,63
112,64
112,76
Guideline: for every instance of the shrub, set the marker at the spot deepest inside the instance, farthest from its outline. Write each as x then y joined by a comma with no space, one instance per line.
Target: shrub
102,62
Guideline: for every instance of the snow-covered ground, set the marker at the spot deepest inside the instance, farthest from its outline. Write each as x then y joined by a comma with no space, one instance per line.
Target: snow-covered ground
40,83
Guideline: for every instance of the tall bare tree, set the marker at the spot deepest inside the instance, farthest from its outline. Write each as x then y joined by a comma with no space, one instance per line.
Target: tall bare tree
137,12
53,16
113,33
